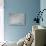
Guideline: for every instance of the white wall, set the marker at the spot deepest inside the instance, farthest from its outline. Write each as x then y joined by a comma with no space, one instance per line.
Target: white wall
1,21
43,6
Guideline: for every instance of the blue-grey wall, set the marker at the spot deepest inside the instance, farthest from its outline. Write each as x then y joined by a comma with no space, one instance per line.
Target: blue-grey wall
29,8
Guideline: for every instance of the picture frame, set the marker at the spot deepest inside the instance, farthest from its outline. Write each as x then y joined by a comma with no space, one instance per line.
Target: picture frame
18,19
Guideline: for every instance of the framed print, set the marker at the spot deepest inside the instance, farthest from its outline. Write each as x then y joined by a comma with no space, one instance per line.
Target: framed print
17,19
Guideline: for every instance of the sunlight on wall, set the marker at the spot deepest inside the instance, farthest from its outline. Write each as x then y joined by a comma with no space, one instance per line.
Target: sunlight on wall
1,21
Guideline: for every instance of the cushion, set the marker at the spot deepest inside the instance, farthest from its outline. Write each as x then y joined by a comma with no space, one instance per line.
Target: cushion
20,42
